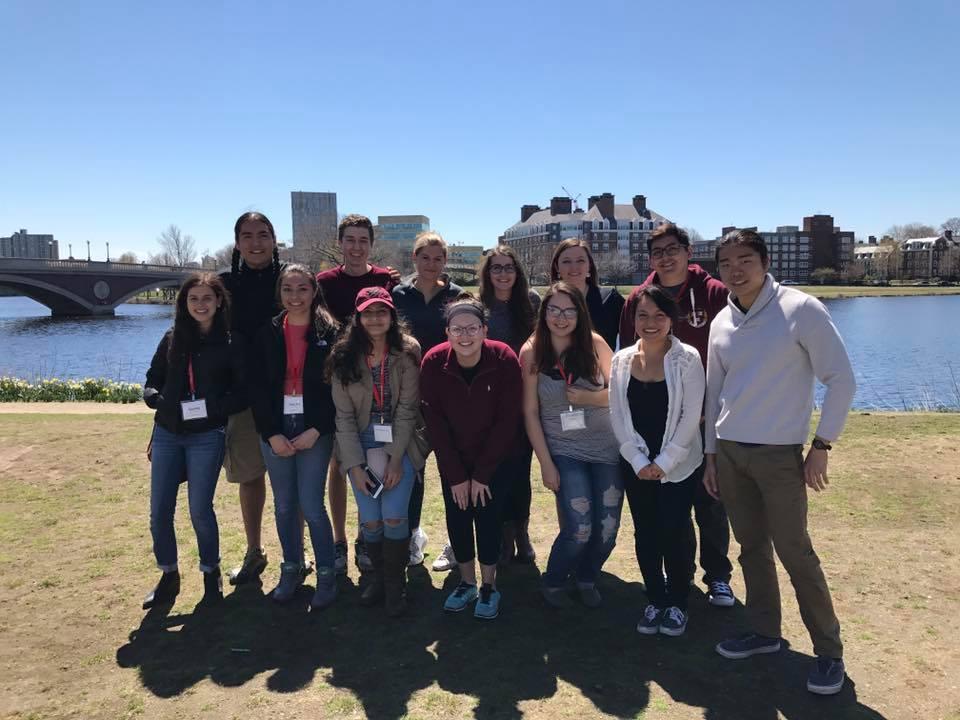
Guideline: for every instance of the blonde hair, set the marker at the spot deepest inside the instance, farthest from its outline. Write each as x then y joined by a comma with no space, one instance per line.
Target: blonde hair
427,238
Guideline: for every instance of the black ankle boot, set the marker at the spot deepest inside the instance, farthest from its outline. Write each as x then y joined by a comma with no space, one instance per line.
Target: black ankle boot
165,592
212,587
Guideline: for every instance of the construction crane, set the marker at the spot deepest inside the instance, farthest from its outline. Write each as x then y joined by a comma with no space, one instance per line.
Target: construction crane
572,198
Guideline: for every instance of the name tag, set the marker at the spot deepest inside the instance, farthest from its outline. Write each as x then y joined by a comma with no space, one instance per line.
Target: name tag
573,420
194,409
382,433
293,404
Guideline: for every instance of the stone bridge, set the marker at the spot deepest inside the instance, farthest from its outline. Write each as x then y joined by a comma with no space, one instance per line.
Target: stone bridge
80,287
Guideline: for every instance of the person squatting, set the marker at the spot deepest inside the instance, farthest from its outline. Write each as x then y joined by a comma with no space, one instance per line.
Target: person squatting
691,399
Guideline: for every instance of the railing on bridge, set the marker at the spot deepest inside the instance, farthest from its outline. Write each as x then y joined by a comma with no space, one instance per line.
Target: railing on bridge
94,265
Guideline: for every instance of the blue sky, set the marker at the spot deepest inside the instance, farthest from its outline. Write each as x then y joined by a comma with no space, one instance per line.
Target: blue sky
121,118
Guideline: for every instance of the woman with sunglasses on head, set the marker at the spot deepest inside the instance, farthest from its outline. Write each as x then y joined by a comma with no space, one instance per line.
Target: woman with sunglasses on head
195,382
656,395
295,417
469,387
375,369
566,368
573,264
512,306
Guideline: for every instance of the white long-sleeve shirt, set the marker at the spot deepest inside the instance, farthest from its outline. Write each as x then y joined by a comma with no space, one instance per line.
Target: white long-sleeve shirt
761,367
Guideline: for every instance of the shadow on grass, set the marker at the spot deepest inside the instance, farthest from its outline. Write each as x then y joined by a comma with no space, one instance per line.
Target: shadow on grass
518,657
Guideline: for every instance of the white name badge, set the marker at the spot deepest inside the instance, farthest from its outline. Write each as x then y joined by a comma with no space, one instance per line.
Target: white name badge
573,420
194,409
293,404
382,433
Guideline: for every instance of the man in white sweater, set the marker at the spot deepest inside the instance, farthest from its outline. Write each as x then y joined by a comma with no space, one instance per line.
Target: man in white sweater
766,348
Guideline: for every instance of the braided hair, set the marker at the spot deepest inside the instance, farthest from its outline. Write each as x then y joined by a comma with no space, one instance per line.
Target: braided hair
235,260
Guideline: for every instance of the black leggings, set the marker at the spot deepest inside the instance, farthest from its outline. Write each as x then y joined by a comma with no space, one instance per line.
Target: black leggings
486,519
661,517
415,509
515,506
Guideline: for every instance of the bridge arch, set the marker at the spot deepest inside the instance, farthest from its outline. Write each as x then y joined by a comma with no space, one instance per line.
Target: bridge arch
59,300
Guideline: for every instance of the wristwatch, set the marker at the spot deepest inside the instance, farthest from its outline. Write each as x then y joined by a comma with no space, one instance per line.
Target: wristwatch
821,445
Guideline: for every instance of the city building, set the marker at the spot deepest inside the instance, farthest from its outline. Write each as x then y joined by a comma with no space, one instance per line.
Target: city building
464,255
400,230
24,245
930,257
314,221
796,253
616,233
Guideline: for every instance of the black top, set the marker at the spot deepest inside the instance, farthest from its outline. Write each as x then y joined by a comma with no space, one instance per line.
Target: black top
605,305
218,375
469,373
425,319
648,408
268,375
253,302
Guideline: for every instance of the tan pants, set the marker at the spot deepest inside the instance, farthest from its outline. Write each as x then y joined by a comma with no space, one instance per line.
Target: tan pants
765,495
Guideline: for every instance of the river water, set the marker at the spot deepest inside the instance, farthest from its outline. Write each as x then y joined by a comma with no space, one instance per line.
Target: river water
905,350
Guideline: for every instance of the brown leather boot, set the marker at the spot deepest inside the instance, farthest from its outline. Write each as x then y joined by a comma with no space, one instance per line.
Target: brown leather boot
373,592
526,555
396,555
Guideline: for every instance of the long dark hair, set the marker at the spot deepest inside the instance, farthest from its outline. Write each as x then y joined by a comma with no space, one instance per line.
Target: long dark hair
664,302
347,358
566,245
521,309
186,333
323,321
235,267
580,359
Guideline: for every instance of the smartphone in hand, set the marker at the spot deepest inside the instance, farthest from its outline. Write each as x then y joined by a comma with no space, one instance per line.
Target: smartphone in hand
374,482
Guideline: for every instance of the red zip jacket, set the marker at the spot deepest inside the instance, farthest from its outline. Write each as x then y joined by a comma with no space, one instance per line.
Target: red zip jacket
701,298
472,428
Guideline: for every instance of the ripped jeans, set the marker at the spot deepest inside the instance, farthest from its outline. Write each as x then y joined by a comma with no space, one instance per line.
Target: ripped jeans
590,498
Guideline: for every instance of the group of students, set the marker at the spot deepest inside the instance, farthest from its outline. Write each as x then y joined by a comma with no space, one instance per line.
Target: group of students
692,390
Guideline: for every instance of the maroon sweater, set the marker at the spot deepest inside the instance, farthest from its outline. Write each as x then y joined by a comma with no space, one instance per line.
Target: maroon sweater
693,327
340,290
474,427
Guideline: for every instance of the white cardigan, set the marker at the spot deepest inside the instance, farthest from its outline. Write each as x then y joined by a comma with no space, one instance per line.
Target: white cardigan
682,450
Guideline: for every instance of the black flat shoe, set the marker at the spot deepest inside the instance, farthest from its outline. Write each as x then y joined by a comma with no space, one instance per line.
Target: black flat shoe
165,592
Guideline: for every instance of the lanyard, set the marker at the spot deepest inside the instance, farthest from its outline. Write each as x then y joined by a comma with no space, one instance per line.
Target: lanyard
190,378
568,379
294,367
378,394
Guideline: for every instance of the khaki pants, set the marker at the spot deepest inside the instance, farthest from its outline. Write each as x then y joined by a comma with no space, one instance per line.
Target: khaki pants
765,495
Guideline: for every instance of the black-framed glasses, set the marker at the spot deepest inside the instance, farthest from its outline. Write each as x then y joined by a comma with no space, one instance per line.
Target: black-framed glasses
497,269
669,251
556,312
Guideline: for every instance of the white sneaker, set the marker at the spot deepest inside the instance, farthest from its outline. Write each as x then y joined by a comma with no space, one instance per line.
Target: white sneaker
445,560
418,543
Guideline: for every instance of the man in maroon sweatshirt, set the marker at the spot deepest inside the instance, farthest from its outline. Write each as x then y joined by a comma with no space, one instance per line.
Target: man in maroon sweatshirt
699,298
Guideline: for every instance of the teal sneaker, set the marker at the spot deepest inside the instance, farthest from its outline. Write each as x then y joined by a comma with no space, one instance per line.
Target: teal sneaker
488,604
463,595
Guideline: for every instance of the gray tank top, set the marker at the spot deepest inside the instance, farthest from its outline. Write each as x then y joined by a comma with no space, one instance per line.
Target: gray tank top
595,443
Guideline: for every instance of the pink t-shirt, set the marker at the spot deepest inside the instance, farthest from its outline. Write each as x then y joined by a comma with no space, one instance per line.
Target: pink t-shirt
295,339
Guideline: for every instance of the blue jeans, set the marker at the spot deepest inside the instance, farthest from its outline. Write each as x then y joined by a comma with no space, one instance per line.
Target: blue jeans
199,456
590,499
392,504
299,483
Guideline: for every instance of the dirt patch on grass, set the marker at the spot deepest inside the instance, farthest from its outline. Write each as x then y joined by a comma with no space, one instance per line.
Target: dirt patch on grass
75,552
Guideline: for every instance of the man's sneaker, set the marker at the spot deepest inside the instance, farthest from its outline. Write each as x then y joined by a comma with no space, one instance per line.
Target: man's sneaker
674,622
556,597
445,560
650,622
254,563
744,646
488,604
720,594
340,558
826,677
361,558
463,595
418,543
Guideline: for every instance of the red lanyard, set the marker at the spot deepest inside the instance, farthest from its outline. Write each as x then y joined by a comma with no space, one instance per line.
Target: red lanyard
294,368
190,379
567,379
378,394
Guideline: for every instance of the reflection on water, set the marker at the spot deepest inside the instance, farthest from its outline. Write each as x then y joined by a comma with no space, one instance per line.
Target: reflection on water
905,351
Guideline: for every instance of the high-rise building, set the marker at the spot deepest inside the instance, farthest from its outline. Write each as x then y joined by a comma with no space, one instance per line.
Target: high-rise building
314,219
24,245
400,230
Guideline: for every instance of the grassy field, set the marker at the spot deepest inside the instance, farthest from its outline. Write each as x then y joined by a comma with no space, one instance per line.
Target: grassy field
75,553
